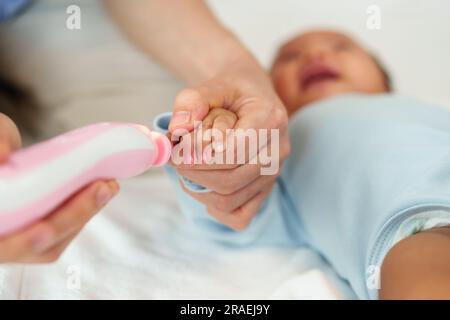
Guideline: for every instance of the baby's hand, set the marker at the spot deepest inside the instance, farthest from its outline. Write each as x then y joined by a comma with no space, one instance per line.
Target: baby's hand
208,142
215,126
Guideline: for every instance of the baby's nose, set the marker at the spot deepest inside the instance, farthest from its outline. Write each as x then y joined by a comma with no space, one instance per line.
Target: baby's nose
315,53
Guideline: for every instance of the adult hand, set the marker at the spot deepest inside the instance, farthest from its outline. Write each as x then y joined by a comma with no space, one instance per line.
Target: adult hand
45,240
192,43
238,190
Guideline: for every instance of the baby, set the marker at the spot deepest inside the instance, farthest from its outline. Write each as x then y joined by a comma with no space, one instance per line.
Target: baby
367,183
321,64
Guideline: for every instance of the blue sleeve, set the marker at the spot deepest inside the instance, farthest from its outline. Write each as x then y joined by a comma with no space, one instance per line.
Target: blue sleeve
360,165
273,225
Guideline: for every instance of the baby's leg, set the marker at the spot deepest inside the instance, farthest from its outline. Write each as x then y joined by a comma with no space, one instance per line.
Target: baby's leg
418,267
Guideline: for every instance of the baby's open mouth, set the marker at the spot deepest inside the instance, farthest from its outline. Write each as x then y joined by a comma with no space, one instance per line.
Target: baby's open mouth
316,73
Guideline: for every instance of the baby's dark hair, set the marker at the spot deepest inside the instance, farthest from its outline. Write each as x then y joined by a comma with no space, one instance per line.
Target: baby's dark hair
386,76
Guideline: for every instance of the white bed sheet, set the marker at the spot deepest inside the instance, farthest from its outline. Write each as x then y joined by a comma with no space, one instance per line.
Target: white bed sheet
140,247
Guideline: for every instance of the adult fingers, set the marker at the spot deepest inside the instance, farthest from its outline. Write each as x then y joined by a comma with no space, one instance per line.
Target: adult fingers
240,218
230,202
44,234
9,137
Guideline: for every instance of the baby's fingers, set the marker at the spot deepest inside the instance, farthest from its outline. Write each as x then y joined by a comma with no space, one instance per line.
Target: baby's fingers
219,120
222,124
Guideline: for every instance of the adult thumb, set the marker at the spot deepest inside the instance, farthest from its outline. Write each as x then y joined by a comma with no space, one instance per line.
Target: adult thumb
9,137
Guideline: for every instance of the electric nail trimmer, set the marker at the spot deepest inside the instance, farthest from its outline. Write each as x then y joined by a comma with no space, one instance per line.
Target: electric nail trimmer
36,180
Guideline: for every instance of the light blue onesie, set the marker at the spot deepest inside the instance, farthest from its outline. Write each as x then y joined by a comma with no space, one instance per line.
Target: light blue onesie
365,171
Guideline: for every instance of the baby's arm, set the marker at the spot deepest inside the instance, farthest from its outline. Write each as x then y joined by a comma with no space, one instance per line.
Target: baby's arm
418,267
221,228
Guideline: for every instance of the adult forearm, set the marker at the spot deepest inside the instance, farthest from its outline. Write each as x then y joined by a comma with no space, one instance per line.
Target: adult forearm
183,35
186,37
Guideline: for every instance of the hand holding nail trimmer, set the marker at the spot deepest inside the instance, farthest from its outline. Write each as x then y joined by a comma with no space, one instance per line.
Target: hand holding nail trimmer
36,180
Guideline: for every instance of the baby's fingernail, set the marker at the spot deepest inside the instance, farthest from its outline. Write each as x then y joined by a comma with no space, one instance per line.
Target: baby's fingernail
104,194
180,118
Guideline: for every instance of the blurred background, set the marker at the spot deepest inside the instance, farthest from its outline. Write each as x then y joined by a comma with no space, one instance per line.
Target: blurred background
94,74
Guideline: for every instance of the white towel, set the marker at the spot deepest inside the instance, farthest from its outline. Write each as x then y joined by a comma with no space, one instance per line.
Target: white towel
140,247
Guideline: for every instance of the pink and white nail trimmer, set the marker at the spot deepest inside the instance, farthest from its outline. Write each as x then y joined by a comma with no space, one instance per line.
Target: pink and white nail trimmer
35,180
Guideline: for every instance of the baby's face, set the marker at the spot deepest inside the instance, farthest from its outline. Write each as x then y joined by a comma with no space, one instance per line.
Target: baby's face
321,64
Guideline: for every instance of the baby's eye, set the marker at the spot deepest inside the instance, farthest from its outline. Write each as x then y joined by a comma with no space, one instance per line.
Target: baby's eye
341,46
289,56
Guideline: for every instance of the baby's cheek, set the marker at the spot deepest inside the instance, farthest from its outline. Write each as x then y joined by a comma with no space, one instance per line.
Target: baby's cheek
286,89
364,75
